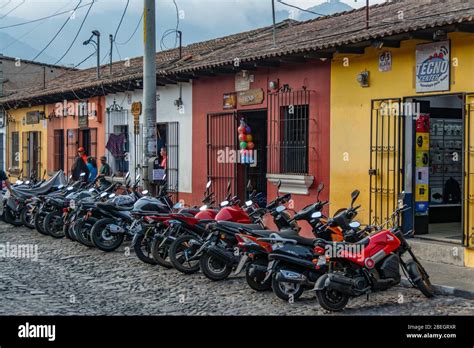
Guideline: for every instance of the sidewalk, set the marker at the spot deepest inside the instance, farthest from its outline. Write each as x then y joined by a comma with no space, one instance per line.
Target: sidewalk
449,280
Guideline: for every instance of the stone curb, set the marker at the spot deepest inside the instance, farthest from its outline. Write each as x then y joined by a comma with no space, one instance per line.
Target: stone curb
444,290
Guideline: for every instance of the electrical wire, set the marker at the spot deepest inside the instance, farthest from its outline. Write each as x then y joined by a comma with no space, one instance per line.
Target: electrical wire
171,31
77,34
13,9
5,5
109,52
84,60
43,18
133,34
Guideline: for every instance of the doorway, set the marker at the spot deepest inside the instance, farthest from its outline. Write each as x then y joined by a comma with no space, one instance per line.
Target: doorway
255,173
32,154
438,167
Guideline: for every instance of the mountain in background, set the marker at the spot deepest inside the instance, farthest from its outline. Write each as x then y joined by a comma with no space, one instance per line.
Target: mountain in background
31,39
327,8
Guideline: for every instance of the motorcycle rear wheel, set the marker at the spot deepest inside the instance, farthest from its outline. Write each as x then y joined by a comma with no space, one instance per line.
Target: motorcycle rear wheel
39,222
160,254
103,239
53,224
332,300
142,247
27,218
256,281
213,268
10,217
179,255
285,290
83,229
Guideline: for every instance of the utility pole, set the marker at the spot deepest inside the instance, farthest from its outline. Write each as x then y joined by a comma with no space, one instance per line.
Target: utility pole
97,34
111,38
149,86
274,23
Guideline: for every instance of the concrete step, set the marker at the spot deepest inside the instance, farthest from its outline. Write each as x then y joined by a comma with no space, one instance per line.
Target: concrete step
438,252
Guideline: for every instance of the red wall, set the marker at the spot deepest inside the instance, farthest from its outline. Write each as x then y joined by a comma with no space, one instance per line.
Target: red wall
208,98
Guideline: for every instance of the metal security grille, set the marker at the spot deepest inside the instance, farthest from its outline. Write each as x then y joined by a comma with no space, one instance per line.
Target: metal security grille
222,152
2,151
386,158
15,150
288,143
72,144
468,221
172,167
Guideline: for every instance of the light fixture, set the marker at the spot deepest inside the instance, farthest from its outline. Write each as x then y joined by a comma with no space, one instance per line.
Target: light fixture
440,35
378,44
363,78
273,85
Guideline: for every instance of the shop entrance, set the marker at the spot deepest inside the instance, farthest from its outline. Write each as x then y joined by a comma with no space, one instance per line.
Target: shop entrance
32,154
437,135
255,173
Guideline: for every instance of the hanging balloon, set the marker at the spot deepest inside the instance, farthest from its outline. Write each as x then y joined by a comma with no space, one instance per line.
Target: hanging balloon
249,138
243,145
241,130
250,145
242,137
248,130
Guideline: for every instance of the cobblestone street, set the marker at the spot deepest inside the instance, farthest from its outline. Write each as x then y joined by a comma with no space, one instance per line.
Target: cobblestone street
70,279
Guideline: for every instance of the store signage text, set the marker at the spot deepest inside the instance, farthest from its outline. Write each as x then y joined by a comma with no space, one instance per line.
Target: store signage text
230,101
433,67
250,97
32,117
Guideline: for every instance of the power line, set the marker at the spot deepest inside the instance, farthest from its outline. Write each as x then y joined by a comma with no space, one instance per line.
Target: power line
77,34
133,34
5,5
57,33
299,8
13,9
116,30
43,18
171,31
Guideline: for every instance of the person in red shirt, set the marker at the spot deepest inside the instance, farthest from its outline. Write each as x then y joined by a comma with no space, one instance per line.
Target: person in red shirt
164,157
82,152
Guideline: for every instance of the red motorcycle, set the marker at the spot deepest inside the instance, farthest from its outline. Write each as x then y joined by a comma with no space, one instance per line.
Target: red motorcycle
370,265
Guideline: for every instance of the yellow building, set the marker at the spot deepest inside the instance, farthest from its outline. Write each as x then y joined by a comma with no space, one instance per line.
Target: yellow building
402,119
26,142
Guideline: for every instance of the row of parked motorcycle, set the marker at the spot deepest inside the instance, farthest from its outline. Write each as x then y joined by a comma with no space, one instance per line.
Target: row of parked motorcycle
344,259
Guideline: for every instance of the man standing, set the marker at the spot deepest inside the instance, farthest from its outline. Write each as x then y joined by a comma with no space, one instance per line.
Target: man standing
80,165
104,171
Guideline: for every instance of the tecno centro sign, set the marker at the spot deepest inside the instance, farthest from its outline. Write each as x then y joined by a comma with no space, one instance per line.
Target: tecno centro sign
433,67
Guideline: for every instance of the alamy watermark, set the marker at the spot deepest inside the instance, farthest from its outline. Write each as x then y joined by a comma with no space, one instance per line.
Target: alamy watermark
229,155
19,251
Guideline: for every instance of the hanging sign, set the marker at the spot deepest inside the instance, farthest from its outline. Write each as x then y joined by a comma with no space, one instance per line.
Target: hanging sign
83,115
250,97
230,101
32,117
433,67
385,61
136,112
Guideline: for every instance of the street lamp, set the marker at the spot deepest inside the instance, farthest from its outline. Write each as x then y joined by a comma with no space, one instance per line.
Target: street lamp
95,33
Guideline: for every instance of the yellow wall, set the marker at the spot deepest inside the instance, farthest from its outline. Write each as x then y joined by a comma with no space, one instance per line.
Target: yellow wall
351,109
18,115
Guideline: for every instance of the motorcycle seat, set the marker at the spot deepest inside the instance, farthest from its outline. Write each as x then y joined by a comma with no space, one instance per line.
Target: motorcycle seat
236,227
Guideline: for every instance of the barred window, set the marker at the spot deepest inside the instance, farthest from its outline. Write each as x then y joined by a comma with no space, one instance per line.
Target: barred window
294,139
58,150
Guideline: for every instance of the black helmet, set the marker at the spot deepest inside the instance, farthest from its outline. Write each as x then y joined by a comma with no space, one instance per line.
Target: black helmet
150,204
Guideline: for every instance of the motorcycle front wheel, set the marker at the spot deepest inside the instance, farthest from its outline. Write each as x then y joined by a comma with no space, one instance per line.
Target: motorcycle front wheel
27,218
332,300
420,278
39,222
160,253
82,230
142,247
11,218
53,224
181,251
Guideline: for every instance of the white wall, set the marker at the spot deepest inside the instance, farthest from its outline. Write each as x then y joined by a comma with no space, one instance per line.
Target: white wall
167,111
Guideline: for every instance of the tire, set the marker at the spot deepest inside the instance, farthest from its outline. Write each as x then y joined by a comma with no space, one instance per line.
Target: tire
213,268
160,255
420,278
286,291
103,239
255,281
11,218
39,222
53,224
142,247
180,251
332,300
82,230
27,219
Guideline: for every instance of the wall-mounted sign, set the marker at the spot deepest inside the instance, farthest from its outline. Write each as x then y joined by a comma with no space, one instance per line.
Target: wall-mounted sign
136,108
83,115
385,61
250,97
230,101
242,81
433,67
32,117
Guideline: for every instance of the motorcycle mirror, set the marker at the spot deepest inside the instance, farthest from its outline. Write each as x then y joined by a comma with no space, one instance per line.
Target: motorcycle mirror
316,215
248,203
70,188
224,203
354,224
280,209
354,196
103,194
19,182
112,195
178,205
145,192
204,207
27,182
82,174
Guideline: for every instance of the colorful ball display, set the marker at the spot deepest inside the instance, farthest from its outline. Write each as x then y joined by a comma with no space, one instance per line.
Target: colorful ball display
250,145
249,138
243,137
243,145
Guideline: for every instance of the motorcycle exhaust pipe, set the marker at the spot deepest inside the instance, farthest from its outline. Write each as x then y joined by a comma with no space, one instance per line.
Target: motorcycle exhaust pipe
222,254
256,269
343,285
116,229
292,277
